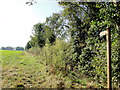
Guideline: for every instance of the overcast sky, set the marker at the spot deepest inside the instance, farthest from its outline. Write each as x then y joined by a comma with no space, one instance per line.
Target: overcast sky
17,19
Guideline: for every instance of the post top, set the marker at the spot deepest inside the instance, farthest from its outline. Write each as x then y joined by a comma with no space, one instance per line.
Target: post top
107,27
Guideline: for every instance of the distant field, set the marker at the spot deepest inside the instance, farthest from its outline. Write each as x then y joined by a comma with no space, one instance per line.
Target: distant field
8,56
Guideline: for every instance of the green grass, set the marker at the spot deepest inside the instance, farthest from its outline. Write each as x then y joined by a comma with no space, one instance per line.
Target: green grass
8,57
24,69
20,68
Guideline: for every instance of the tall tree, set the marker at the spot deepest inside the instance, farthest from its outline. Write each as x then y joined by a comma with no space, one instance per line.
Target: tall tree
57,25
86,21
39,34
76,16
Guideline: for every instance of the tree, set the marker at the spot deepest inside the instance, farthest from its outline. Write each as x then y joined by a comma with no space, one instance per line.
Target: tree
57,25
50,36
28,46
86,20
19,48
2,48
76,20
39,34
7,48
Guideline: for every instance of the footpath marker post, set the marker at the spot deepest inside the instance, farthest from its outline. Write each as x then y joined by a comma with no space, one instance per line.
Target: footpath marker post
108,38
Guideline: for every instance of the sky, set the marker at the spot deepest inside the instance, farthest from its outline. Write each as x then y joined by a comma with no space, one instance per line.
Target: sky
17,19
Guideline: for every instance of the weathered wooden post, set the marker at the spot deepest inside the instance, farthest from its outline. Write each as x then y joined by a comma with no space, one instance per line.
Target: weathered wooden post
108,38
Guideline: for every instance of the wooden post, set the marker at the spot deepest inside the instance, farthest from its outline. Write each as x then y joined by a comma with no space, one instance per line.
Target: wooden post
108,38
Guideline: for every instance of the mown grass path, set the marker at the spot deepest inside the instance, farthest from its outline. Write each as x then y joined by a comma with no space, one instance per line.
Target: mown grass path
19,68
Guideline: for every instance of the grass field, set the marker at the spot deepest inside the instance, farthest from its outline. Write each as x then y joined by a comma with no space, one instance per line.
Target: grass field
19,69
22,69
